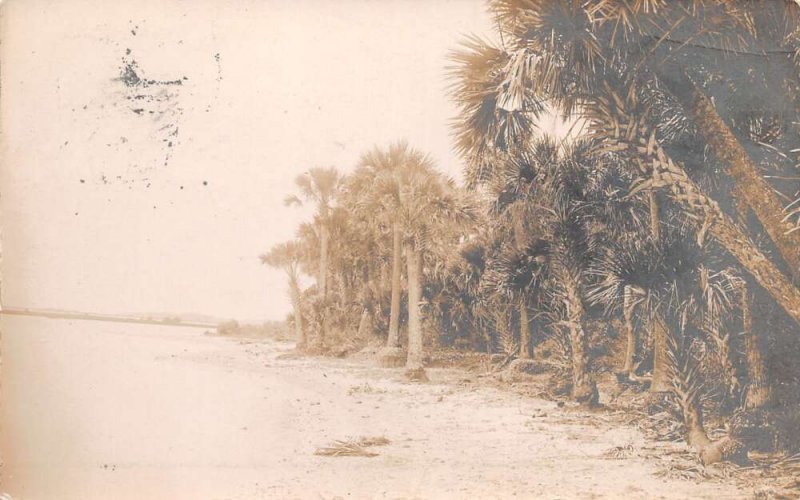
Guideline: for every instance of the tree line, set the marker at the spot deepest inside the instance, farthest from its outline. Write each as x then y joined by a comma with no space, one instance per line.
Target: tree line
658,240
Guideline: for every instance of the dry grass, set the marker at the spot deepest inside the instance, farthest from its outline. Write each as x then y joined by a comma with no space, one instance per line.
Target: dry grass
774,477
688,471
353,447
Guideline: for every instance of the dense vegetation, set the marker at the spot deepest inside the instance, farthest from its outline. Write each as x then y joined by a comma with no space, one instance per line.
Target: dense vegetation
658,240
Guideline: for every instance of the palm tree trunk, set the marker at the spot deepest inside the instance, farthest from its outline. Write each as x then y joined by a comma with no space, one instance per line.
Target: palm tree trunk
300,334
655,215
725,352
759,391
486,336
414,359
584,389
696,435
364,325
710,452
322,279
750,184
393,339
686,389
502,334
630,332
473,326
660,382
385,281
524,332
760,267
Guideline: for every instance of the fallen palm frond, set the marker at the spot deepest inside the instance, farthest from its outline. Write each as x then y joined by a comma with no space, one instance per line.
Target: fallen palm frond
781,464
777,476
661,426
619,452
352,447
345,449
681,463
683,471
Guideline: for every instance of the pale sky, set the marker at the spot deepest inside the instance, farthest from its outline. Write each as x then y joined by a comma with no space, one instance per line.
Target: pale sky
268,89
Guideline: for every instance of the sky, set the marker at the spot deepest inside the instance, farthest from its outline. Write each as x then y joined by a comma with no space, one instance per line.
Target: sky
147,146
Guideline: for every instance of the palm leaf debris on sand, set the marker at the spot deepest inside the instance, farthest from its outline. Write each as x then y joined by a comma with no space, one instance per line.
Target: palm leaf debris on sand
352,447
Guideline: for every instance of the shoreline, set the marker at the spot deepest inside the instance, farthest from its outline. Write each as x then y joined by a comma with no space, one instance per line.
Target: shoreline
102,317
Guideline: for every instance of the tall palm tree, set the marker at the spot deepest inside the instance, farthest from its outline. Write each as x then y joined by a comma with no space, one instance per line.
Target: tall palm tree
431,208
359,253
348,264
460,287
320,186
287,256
517,274
380,175
557,237
517,269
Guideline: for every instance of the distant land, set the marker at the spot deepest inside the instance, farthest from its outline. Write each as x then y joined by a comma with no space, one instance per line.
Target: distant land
187,319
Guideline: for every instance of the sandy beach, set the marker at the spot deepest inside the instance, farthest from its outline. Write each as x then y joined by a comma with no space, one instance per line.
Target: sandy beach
103,410
98,411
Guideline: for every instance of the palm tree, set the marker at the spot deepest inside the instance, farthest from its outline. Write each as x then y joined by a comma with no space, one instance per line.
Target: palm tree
674,47
288,256
380,175
687,386
556,236
752,189
624,281
517,271
432,212
571,252
459,287
517,275
574,53
348,265
718,292
319,185
358,254
624,134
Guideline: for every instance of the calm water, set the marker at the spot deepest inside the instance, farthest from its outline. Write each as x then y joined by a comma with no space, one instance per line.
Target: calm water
92,409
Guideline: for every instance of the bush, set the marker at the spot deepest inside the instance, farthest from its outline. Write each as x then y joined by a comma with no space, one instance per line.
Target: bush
228,328
277,330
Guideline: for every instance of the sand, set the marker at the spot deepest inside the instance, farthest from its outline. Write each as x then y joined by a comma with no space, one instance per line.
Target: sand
105,411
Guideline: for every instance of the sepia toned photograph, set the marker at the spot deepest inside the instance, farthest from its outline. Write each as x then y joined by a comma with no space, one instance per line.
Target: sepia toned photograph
399,249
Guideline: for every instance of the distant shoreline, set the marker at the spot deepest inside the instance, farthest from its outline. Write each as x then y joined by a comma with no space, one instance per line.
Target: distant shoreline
105,317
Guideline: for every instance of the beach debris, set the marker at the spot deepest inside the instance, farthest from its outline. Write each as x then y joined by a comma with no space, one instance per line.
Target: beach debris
353,447
365,388
619,452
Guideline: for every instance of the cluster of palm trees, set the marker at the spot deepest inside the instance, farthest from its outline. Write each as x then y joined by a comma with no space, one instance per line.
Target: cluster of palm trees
660,233
394,211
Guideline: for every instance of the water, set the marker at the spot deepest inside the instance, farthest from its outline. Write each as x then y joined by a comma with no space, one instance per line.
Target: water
92,406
